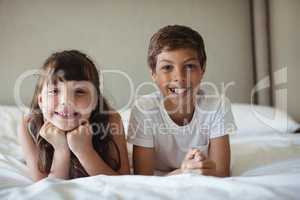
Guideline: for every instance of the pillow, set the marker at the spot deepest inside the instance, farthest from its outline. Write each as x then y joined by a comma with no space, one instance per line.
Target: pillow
251,119
125,114
252,153
10,117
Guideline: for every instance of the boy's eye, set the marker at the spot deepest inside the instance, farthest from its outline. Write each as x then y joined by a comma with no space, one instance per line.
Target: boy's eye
190,66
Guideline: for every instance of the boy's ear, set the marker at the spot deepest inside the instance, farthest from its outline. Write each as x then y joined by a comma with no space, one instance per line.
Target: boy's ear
203,68
153,75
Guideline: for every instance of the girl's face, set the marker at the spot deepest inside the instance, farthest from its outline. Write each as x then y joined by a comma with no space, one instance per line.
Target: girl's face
178,75
67,104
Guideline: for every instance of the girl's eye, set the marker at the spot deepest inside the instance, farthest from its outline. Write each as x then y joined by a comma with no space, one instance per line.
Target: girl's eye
80,92
53,91
166,67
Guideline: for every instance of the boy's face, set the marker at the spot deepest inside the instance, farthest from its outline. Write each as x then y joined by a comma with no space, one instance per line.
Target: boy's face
178,74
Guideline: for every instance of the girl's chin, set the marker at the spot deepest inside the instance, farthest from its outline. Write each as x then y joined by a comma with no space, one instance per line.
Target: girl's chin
65,127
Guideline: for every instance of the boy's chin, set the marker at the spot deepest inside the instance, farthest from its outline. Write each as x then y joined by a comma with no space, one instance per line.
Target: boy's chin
181,100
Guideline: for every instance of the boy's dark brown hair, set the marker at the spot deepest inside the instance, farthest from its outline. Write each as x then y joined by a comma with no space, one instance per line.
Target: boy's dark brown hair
175,37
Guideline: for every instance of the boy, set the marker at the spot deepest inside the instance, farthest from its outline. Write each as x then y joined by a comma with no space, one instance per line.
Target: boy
179,129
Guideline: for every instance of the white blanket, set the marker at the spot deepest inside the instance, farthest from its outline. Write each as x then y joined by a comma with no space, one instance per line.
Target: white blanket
263,167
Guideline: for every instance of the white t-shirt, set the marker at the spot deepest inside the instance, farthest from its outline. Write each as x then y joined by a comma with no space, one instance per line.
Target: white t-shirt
151,126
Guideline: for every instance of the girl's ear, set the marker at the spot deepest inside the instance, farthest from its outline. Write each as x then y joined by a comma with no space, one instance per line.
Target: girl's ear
40,100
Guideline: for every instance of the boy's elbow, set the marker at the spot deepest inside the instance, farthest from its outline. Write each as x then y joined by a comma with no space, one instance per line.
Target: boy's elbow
223,174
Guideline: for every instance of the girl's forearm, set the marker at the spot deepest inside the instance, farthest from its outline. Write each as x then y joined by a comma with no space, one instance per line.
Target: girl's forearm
94,165
60,164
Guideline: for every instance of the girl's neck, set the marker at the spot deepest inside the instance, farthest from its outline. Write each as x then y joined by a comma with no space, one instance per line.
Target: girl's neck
180,114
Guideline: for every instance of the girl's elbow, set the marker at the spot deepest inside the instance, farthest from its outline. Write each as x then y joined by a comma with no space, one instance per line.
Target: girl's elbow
37,177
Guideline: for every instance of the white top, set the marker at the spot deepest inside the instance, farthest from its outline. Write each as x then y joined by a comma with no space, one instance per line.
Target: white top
151,126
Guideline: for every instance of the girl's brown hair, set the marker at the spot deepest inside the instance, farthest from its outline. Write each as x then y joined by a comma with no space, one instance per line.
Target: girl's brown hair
73,65
175,37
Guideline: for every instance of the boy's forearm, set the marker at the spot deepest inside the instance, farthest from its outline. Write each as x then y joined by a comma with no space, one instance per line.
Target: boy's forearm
222,173
174,172
60,164
94,165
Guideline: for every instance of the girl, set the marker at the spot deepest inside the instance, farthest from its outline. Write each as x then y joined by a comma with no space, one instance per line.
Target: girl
71,131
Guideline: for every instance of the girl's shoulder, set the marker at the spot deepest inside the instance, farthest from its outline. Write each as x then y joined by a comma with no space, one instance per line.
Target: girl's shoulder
114,116
115,121
25,119
28,121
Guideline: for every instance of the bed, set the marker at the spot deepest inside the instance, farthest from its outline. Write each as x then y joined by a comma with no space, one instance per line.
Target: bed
265,165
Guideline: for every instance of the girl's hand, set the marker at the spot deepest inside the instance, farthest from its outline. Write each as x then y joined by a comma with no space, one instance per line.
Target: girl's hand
56,137
197,162
80,139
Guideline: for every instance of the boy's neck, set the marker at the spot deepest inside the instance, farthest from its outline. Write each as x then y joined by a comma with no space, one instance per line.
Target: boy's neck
180,114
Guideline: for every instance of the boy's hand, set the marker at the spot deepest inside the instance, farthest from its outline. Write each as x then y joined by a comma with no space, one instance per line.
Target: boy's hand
191,160
56,137
195,161
80,139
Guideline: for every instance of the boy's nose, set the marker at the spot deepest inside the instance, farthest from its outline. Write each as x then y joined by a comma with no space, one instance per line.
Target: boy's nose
179,75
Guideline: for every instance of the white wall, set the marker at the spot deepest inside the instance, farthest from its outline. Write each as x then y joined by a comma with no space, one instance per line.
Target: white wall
285,40
116,35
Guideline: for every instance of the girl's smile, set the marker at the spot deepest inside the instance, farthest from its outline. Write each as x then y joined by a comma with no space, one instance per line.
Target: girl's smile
67,115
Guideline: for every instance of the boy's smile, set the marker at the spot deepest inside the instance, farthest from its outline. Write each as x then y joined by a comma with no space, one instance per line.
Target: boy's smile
179,90
178,74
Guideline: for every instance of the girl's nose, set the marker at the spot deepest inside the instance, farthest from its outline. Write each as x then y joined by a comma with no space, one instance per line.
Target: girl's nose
65,98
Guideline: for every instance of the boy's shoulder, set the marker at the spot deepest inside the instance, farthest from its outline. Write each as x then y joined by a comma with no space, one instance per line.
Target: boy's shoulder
213,102
148,103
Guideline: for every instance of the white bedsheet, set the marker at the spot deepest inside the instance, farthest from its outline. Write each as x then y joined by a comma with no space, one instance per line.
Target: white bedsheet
264,166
